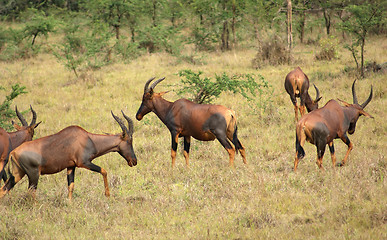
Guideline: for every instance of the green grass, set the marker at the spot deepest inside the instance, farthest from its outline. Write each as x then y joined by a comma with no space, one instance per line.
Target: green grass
263,200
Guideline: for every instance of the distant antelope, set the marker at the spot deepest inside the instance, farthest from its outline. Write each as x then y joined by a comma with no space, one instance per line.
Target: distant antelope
323,125
70,148
297,85
11,140
183,118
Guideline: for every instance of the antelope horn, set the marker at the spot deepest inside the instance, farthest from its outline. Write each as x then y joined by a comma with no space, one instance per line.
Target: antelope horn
33,121
147,84
157,82
317,92
122,125
368,100
21,118
354,93
130,123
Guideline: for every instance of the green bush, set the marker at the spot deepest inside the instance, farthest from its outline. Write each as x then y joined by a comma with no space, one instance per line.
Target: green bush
84,48
205,90
6,113
328,48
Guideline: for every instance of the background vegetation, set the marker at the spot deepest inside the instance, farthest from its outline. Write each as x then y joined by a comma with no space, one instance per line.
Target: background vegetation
90,58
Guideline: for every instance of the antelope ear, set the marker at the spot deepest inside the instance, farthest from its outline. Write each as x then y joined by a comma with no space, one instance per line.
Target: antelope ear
366,114
17,127
162,93
37,124
318,99
344,102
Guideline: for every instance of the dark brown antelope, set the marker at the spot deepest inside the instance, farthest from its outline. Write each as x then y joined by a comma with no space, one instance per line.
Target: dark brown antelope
70,148
5,149
323,125
297,85
23,134
183,118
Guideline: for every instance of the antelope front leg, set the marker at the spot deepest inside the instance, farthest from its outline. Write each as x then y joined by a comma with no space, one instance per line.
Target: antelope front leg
70,181
102,171
187,144
332,150
175,138
350,147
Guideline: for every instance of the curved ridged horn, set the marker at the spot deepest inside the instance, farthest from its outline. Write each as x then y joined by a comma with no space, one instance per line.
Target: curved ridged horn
33,121
130,123
317,93
354,93
156,82
147,84
21,118
368,100
122,125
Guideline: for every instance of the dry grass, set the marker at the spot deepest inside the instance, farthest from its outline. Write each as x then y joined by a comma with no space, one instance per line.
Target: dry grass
263,200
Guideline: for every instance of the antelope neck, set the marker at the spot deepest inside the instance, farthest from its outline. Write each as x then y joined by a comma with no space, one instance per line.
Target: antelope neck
105,143
161,107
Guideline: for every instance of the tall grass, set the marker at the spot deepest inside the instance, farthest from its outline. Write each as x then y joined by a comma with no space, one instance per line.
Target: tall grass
262,200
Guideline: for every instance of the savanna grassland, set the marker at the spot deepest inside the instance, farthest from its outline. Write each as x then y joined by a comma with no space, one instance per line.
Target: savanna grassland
262,200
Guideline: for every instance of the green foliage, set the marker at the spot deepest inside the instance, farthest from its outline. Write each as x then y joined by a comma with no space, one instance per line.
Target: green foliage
205,90
328,50
6,113
37,23
127,50
203,38
361,19
160,38
84,49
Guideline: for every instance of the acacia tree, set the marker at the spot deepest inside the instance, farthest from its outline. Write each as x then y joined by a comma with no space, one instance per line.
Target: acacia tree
260,14
112,12
359,21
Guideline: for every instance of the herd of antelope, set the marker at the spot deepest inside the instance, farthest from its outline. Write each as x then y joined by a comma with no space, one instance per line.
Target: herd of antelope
75,147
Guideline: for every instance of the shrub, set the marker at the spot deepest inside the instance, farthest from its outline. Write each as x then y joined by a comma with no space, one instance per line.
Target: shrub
273,52
206,90
127,50
328,48
84,49
6,113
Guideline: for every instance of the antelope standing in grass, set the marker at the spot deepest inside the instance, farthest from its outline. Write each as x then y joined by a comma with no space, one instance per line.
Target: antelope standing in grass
70,148
297,85
323,125
11,140
183,118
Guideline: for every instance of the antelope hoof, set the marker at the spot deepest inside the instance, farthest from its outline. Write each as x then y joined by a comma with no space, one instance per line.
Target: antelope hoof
340,164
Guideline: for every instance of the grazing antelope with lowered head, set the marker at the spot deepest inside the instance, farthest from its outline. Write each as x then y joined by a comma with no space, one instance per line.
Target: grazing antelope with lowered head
323,125
183,118
11,140
297,85
70,148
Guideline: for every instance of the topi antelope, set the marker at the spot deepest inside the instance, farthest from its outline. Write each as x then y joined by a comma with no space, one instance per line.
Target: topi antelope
323,125
297,85
70,148
11,140
183,118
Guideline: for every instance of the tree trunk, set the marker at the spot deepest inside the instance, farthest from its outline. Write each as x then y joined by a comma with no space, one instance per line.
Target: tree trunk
362,56
225,37
302,26
233,25
154,14
327,18
289,23
117,30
